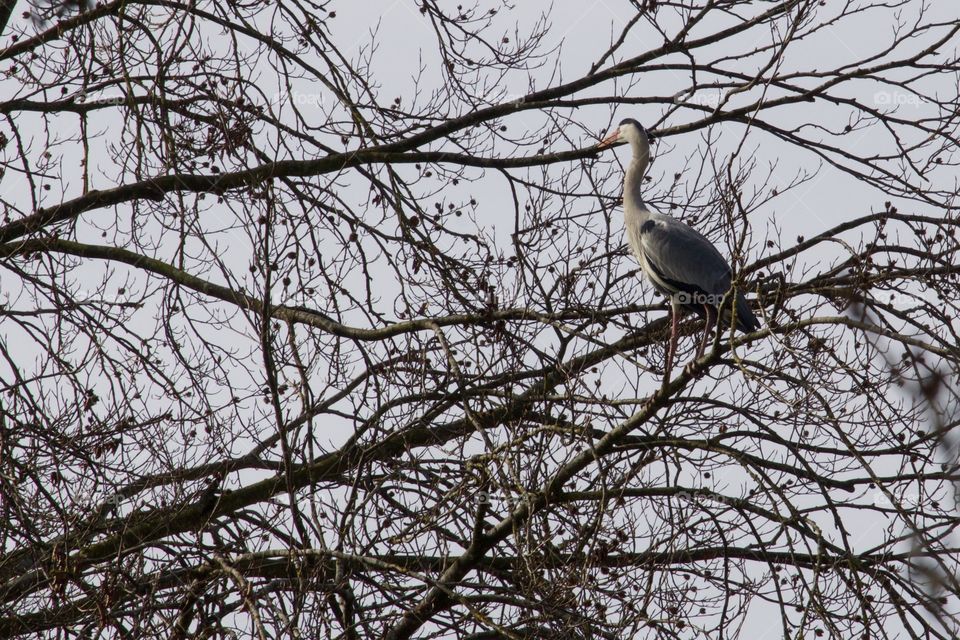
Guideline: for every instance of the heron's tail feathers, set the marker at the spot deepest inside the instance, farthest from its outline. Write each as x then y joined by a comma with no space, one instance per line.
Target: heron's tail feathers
746,321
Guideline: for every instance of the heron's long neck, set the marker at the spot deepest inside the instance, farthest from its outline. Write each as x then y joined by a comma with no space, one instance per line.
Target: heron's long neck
633,179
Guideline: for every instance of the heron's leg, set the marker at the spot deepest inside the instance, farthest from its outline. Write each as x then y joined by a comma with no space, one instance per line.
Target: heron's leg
672,347
707,329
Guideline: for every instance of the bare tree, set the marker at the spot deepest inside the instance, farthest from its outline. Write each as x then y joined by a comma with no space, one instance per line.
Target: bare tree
301,341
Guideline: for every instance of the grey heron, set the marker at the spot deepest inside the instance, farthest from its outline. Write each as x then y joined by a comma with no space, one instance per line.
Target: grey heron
679,262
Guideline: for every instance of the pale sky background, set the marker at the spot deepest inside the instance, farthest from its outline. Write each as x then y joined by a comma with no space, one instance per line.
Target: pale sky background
582,31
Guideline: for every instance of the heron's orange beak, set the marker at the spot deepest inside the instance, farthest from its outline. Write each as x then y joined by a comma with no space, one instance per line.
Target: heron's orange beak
612,139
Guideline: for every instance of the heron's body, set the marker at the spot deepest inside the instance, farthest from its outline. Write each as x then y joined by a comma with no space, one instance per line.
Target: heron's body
656,240
677,259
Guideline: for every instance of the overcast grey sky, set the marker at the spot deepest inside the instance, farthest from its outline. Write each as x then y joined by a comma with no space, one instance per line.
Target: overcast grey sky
398,39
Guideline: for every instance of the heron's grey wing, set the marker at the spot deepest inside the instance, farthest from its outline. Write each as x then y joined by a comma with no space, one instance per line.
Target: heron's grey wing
685,262
682,258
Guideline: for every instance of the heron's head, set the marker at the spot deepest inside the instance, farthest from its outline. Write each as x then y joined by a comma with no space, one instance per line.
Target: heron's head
629,131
